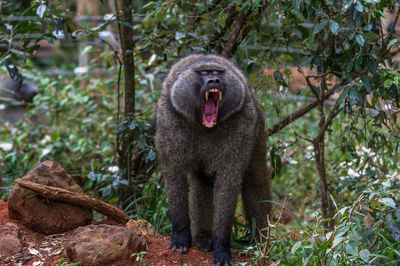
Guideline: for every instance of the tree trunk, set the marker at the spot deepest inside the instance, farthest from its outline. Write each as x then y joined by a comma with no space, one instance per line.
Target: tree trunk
124,9
87,8
326,206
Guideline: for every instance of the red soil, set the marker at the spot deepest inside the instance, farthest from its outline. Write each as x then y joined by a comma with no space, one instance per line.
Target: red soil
49,249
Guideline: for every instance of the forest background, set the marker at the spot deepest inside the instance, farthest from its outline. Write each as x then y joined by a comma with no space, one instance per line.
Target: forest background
333,138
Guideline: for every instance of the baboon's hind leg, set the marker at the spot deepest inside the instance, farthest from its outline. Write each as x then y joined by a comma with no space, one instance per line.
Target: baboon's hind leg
256,188
176,187
201,211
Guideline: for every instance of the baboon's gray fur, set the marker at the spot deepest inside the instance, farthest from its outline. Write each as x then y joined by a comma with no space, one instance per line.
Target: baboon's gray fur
221,161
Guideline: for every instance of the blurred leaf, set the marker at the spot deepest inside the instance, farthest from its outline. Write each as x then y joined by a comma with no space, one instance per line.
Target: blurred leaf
367,82
360,40
337,241
295,247
394,227
364,255
276,162
40,10
393,41
387,83
334,27
319,27
388,202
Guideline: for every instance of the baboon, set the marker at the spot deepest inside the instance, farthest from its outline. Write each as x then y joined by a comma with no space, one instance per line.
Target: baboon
210,128
21,90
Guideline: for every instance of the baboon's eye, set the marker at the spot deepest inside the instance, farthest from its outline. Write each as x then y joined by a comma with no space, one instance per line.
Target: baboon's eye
215,72
204,72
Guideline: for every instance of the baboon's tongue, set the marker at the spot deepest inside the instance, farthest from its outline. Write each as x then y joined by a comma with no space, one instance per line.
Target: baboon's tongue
210,110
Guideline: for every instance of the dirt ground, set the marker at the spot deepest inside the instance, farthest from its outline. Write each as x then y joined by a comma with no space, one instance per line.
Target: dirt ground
42,250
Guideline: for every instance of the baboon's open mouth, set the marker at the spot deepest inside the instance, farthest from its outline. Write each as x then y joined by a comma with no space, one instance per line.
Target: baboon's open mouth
211,100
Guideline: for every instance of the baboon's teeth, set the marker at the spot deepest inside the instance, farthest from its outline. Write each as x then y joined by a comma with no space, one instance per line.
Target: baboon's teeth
214,91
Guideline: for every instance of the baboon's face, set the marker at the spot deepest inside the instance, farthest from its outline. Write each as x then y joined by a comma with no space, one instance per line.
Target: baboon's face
210,94
207,93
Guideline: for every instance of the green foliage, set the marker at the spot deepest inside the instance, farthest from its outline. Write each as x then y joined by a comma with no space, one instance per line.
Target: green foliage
139,257
65,120
367,231
45,15
151,206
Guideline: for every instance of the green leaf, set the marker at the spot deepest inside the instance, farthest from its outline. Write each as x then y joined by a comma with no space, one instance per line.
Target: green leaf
364,255
276,162
352,248
320,26
359,7
40,10
87,49
388,202
149,5
151,156
374,204
343,230
334,27
372,66
296,247
20,53
371,35
355,95
367,82
392,42
360,40
54,136
278,76
343,96
132,125
297,4
387,83
337,241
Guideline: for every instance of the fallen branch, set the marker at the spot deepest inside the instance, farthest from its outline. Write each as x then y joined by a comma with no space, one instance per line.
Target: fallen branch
79,199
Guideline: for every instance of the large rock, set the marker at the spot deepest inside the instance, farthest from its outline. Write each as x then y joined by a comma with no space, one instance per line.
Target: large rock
43,215
10,244
102,244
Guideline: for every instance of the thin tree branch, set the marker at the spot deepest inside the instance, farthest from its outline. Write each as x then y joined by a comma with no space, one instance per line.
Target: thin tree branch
299,113
335,111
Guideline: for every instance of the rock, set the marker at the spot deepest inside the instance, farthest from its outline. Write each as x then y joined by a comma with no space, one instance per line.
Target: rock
44,215
102,244
10,244
141,227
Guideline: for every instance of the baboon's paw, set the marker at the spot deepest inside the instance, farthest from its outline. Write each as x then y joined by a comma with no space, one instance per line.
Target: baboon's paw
204,244
180,244
222,258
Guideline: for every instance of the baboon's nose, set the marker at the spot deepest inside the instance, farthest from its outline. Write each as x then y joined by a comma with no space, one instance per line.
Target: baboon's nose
213,82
